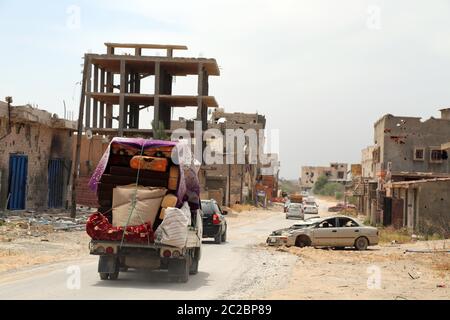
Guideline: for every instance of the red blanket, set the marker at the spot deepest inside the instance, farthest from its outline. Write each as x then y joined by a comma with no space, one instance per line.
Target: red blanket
99,228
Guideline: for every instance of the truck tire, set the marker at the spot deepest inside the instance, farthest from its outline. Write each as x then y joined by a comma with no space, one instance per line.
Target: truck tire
104,276
114,276
195,261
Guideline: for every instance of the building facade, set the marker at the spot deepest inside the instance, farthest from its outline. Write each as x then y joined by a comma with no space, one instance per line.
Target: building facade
35,158
336,172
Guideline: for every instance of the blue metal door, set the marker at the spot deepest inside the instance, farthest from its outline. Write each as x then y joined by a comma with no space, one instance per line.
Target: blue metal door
18,170
55,183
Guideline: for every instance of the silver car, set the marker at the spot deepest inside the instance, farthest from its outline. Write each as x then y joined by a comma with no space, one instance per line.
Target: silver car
311,207
337,232
295,210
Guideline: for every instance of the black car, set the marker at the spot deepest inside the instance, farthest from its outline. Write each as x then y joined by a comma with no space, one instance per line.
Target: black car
214,223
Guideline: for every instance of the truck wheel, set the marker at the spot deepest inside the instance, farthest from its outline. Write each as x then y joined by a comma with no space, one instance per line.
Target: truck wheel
114,276
195,260
218,238
104,276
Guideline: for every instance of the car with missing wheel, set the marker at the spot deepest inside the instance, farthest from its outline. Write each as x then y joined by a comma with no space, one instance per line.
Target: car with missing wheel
336,232
214,222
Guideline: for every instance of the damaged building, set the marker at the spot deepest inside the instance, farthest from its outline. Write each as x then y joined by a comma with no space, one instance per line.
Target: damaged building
35,158
236,183
406,151
336,172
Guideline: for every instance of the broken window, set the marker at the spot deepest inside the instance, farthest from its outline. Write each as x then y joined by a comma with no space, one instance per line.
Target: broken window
376,155
436,155
419,154
330,223
340,175
347,223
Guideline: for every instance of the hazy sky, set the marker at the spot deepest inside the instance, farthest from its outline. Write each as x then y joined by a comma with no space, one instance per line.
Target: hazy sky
321,71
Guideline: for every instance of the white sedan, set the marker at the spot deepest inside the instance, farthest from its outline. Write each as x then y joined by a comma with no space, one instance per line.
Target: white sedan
338,232
311,207
295,210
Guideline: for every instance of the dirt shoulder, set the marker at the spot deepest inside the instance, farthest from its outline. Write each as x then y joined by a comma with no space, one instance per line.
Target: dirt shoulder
383,272
25,244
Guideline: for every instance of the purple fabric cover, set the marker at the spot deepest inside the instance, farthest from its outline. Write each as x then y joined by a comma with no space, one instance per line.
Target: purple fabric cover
188,186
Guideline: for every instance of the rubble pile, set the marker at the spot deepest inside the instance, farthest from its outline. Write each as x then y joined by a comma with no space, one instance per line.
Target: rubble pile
31,224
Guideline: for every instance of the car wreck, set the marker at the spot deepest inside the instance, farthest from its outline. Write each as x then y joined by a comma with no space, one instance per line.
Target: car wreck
336,231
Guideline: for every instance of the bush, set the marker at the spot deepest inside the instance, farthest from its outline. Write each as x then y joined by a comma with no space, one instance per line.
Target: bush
325,188
320,184
339,195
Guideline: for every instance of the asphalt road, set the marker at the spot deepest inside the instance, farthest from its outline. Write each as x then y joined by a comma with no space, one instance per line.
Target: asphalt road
238,269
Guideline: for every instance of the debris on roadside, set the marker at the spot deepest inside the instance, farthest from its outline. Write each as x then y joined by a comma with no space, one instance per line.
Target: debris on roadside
414,275
32,224
427,251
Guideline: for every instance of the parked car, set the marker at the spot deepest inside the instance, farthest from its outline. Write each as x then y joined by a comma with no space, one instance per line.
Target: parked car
337,232
295,210
311,207
214,222
341,206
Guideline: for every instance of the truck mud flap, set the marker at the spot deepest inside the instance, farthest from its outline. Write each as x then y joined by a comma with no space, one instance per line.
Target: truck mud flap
108,264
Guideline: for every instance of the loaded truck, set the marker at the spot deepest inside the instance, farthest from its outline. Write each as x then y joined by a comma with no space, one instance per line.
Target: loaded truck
170,239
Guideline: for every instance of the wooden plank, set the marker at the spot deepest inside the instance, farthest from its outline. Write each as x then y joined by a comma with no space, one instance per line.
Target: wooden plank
76,164
145,46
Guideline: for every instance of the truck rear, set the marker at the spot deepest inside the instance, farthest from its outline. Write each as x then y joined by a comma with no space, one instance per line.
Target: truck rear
150,212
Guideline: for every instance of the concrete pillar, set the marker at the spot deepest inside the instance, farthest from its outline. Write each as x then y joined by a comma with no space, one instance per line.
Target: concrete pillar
123,91
109,107
101,119
95,109
87,123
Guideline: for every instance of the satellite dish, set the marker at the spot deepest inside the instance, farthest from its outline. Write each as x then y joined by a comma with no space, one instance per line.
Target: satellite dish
89,134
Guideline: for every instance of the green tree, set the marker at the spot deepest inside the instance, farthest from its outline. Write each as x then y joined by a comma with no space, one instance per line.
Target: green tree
320,184
159,131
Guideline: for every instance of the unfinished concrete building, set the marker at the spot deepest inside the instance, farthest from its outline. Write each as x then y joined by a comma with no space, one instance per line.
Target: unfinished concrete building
35,158
115,96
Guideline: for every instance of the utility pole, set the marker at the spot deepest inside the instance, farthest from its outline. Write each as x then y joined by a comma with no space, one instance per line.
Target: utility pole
76,164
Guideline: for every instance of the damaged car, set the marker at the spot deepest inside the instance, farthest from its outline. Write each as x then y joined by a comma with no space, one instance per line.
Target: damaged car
336,232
